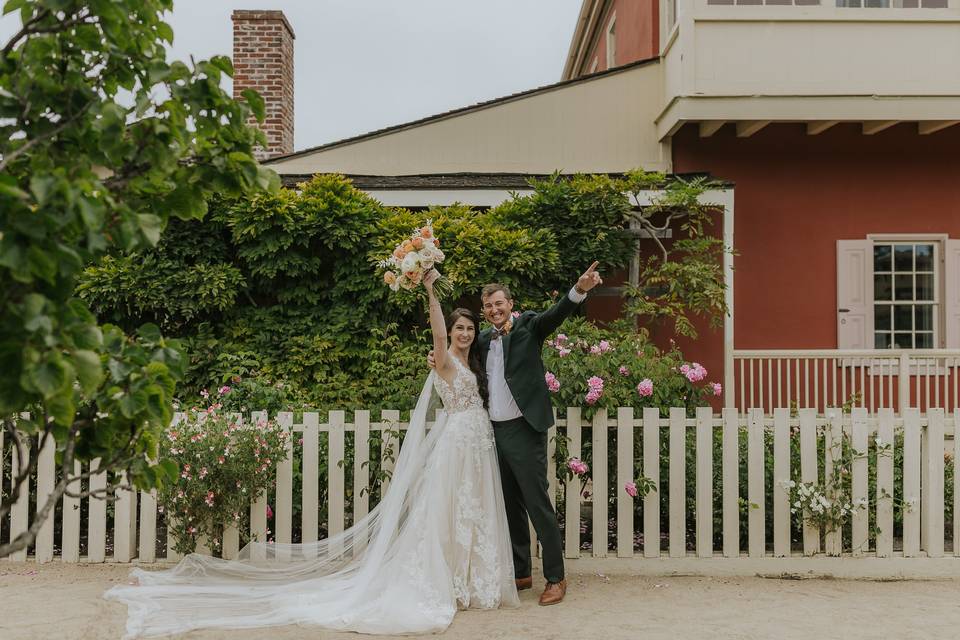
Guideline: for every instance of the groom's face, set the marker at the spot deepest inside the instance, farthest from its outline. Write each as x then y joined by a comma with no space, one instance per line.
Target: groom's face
497,308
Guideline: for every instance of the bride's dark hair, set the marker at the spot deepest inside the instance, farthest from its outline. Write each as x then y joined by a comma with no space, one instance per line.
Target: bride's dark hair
473,359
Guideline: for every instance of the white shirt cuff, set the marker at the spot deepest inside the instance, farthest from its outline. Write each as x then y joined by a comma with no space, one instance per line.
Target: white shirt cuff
575,297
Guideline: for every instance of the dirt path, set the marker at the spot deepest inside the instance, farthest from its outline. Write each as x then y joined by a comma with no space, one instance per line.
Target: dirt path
63,601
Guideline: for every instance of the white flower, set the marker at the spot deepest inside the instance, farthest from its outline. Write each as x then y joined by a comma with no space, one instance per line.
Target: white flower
878,441
410,262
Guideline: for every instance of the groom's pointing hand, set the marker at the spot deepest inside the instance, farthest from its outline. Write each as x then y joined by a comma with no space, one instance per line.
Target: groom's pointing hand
590,278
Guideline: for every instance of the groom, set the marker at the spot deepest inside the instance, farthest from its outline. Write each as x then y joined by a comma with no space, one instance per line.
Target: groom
521,413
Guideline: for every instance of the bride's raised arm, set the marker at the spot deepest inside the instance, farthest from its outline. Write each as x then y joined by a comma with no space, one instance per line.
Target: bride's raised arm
438,327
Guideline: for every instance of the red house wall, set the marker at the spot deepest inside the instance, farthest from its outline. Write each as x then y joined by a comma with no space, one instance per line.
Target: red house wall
637,31
795,196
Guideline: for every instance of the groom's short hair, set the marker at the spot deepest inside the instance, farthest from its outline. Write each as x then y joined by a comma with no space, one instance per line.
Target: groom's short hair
491,289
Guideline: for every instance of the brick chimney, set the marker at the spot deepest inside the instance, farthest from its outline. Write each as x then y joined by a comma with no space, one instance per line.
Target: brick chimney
263,61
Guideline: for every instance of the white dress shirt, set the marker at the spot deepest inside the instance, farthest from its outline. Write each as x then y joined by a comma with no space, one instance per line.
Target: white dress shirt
502,405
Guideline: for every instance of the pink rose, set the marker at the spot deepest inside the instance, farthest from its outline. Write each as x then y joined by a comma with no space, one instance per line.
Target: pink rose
595,350
624,371
561,338
595,383
593,395
224,390
515,314
694,373
717,388
645,388
552,383
577,466
269,512
604,346
564,352
631,489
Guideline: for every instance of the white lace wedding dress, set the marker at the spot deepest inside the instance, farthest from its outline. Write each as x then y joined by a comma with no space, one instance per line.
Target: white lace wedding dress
437,541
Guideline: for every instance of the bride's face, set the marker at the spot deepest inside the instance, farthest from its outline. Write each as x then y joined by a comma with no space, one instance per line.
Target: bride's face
462,333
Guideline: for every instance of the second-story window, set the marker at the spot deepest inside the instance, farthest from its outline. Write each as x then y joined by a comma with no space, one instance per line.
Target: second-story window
612,43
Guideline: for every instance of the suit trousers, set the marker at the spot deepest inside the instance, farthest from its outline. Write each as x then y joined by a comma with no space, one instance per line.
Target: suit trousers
522,453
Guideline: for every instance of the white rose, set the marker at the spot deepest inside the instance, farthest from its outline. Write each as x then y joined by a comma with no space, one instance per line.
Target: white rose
410,262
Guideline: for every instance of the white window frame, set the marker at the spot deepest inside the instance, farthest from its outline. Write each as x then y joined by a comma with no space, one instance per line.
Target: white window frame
611,40
939,244
594,64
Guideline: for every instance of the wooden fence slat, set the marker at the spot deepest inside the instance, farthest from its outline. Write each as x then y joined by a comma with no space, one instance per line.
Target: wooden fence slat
756,533
258,510
860,527
96,516
808,474
148,526
20,510
956,461
932,487
833,436
704,482
731,483
884,497
572,516
624,475
677,471
310,478
391,420
601,491
651,469
361,471
283,500
335,476
70,536
46,471
123,511
781,476
911,482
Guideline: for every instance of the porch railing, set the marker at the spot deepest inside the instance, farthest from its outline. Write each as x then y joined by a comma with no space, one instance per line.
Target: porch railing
819,379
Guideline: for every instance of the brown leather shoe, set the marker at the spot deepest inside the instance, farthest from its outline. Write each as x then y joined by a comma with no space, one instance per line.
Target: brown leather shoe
553,593
524,583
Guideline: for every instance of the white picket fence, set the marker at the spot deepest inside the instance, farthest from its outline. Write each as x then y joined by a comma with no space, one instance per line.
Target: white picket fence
925,439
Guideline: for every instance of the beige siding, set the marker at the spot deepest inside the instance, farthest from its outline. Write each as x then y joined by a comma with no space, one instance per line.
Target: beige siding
598,125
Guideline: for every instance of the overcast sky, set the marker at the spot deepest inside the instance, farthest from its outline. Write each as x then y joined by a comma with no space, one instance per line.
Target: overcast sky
365,64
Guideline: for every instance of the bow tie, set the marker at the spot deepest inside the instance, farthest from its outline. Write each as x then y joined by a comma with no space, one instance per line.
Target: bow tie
498,333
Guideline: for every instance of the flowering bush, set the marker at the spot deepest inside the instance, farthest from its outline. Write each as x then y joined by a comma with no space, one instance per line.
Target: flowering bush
618,367
223,465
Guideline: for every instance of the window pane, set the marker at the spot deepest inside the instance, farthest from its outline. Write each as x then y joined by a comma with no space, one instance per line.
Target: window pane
882,287
903,317
934,4
924,341
903,257
903,340
881,257
904,287
881,340
881,317
924,257
924,286
923,317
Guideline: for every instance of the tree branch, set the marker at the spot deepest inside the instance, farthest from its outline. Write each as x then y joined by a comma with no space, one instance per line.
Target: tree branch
24,31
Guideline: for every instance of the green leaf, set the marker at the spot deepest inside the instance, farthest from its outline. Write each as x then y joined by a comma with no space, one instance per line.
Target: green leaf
42,187
150,332
256,104
89,370
13,5
165,31
150,226
50,376
223,63
170,468
62,407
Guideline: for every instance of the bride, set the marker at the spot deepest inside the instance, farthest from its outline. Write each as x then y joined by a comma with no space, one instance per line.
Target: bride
437,542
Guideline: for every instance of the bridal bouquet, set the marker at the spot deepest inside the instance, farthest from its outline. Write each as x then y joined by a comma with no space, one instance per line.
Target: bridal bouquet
413,258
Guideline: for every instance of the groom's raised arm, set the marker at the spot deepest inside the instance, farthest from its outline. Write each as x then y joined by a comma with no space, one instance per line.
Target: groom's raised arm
547,322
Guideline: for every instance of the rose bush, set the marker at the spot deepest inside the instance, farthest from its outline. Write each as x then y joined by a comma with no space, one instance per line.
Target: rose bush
223,464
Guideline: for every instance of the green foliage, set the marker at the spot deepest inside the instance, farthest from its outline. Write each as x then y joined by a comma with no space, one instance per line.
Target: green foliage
83,174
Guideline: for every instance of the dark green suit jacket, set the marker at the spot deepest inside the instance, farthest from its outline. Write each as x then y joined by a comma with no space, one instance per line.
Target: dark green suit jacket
522,361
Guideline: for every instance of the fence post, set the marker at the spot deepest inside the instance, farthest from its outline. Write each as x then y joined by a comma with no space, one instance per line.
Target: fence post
903,383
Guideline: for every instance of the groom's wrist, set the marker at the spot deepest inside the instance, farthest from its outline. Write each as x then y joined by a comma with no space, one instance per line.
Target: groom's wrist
577,295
